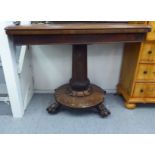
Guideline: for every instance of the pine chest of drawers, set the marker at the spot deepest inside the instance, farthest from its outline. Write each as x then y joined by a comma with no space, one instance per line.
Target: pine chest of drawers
137,78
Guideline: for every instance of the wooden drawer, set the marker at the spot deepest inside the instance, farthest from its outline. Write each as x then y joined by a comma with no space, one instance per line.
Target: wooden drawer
151,35
148,52
146,72
144,90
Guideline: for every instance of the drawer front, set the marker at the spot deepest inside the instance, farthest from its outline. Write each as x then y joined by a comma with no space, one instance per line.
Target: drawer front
144,90
151,35
146,72
148,52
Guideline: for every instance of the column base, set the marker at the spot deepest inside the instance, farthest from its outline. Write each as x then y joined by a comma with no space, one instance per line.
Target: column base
93,97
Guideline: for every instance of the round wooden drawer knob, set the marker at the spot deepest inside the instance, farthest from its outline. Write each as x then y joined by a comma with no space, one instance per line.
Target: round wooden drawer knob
141,90
145,72
149,52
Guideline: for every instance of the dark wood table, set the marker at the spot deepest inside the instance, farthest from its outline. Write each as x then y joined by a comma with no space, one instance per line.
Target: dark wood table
79,93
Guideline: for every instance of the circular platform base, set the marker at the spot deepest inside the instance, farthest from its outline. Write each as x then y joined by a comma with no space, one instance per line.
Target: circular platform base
64,97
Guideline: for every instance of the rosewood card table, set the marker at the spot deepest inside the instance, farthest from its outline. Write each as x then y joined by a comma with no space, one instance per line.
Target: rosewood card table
79,93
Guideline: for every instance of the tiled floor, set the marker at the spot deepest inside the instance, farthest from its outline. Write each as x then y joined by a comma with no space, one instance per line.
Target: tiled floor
37,120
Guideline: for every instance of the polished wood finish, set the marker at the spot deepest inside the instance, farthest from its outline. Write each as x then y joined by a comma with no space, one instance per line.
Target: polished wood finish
130,105
93,100
147,52
63,96
151,35
146,72
144,90
78,39
80,93
129,63
76,28
79,80
137,80
138,22
77,33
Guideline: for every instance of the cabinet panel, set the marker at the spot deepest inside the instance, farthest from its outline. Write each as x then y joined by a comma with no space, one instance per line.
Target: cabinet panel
144,90
146,72
148,52
128,68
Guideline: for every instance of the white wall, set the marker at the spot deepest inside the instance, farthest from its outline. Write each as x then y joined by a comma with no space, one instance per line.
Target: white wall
52,65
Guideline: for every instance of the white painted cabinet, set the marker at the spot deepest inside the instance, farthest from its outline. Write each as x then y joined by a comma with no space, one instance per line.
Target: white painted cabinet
17,72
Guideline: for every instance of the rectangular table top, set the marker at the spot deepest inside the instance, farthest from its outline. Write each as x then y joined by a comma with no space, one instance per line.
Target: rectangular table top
76,28
76,33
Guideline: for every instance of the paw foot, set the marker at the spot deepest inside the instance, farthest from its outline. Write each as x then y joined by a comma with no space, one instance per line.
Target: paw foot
53,108
103,111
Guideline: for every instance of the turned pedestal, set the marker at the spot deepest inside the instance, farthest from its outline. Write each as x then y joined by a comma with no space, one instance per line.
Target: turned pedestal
79,93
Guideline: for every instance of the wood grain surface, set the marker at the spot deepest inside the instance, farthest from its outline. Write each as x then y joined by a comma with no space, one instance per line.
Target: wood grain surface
77,28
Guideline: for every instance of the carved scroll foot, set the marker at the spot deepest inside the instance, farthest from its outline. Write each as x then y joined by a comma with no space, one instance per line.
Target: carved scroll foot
103,111
53,108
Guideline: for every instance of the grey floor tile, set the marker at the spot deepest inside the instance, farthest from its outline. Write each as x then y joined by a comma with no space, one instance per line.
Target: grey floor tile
121,120
5,109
